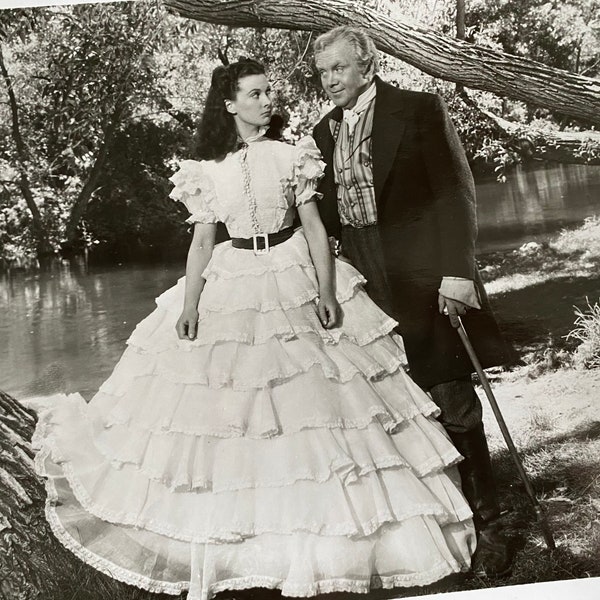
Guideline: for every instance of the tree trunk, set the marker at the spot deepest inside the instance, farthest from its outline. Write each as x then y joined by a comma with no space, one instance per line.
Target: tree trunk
575,147
438,55
21,496
90,185
33,564
43,245
460,32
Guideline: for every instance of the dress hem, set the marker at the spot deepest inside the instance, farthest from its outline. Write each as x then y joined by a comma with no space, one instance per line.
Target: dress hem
128,577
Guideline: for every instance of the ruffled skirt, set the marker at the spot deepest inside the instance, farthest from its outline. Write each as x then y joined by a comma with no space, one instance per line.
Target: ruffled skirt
269,452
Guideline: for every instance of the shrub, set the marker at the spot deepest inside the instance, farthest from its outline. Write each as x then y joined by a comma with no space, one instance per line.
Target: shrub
587,331
584,239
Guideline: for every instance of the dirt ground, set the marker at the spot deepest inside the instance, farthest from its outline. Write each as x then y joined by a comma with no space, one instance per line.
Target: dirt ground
551,405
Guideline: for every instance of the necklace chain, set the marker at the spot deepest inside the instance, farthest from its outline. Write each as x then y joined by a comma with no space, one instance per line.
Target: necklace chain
248,188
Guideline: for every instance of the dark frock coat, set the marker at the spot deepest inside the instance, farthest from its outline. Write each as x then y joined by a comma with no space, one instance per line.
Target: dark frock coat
425,198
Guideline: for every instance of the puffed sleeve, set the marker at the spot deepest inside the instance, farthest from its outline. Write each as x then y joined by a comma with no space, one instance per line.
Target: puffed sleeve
194,188
308,170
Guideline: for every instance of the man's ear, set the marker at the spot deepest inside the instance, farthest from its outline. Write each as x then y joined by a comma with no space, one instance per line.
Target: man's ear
369,71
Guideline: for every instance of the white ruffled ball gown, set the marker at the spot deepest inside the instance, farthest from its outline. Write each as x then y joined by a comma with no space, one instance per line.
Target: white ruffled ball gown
268,452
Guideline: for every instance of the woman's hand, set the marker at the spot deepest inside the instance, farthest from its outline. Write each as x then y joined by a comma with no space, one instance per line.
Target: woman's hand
187,324
330,311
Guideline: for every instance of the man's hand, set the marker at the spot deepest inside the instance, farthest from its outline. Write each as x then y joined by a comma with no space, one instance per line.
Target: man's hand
344,259
453,308
335,248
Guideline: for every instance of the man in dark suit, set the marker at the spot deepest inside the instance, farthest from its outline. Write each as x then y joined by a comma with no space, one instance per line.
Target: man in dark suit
399,195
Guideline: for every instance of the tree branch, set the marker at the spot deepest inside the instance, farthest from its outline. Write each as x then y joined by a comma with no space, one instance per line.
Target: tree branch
22,156
454,60
91,184
574,147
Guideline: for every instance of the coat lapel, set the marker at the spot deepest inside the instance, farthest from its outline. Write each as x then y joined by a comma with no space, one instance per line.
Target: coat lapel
388,129
326,142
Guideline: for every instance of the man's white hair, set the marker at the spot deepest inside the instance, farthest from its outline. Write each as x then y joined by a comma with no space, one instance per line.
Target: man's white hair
365,51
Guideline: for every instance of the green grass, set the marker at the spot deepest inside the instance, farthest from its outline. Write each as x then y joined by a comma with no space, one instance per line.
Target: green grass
544,297
534,292
587,333
572,254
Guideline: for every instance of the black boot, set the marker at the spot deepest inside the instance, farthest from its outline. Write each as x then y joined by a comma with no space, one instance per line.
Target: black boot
493,556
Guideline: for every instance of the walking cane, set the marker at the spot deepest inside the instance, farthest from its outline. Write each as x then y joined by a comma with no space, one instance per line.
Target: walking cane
540,517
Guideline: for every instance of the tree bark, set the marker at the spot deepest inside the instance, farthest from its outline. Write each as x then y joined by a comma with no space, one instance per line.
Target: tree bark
84,196
444,57
460,32
33,564
43,245
574,147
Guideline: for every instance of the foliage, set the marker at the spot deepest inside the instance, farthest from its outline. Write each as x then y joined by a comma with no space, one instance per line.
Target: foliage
93,81
99,69
559,33
584,240
132,216
587,332
79,74
89,80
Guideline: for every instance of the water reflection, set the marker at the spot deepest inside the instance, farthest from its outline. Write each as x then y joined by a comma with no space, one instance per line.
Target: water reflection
534,203
63,330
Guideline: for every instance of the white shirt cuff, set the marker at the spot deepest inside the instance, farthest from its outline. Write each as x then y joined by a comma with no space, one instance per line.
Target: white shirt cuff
463,290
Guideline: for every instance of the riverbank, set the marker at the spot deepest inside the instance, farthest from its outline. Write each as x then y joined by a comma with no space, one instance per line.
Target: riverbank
550,402
538,289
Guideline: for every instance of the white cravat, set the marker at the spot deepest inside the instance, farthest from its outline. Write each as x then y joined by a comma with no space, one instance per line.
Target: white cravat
352,115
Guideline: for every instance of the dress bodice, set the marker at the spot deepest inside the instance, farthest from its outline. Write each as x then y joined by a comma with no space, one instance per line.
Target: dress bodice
252,190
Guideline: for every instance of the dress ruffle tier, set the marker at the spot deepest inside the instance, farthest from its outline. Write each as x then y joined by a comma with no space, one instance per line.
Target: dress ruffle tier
268,452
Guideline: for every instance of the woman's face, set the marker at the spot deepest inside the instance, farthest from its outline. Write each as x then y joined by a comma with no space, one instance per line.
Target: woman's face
252,106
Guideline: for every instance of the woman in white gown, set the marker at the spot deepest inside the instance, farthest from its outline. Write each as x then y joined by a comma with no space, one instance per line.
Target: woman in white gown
265,434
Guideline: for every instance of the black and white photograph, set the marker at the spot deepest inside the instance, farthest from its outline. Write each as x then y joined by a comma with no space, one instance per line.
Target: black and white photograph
300,299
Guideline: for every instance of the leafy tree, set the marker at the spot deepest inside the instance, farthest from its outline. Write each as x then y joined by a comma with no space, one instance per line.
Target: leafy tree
559,33
83,72
132,215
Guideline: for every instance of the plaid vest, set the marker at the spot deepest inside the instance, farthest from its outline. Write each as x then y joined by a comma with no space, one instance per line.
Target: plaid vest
353,170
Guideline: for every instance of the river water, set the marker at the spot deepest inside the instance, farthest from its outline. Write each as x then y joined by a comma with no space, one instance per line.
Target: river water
64,330
534,204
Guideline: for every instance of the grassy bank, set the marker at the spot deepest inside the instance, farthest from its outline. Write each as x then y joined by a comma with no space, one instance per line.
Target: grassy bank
546,299
538,291
550,402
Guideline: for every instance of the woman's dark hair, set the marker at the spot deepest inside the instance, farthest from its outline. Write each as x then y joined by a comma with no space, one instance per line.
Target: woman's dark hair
217,134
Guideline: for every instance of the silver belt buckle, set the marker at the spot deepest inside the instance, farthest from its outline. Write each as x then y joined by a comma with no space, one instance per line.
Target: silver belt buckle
255,247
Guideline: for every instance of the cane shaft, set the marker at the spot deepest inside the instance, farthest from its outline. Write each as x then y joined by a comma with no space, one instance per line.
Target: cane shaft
496,409
505,434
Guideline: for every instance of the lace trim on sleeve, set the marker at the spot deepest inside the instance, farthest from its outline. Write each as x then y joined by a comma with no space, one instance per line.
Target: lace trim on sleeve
307,171
194,188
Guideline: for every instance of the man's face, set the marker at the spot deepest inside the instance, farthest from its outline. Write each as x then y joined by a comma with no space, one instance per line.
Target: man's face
341,76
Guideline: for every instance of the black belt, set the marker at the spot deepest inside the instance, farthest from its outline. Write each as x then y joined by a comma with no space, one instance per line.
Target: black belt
263,241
